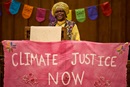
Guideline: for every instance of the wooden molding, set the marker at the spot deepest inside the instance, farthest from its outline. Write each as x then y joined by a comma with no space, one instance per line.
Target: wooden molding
64,33
27,33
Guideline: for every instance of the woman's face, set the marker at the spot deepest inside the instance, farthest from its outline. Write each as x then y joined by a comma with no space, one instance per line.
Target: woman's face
60,14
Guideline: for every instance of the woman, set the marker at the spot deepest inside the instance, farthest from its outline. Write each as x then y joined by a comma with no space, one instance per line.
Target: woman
60,11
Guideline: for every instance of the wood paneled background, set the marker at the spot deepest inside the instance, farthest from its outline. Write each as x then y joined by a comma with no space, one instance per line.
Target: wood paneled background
114,28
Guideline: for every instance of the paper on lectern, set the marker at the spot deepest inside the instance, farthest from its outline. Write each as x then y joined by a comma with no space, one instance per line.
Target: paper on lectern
45,33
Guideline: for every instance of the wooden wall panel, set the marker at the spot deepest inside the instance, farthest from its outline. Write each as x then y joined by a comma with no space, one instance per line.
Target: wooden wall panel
114,28
32,19
0,23
104,25
127,33
20,23
117,21
7,26
123,21
88,29
46,4
1,50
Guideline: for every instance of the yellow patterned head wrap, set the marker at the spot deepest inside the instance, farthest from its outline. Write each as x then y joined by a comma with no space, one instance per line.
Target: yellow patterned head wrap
61,5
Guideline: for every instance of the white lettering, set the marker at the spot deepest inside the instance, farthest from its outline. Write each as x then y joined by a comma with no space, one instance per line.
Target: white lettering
21,63
106,64
66,78
13,59
50,76
33,57
93,57
54,59
77,78
112,61
27,58
48,57
75,58
100,60
42,60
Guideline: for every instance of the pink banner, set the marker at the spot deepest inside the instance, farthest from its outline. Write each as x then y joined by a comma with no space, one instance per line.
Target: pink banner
64,64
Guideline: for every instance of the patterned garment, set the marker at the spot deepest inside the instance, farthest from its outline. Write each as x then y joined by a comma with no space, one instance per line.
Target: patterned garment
68,25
